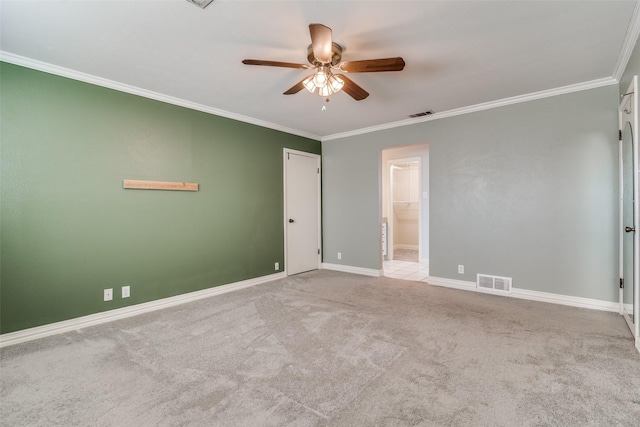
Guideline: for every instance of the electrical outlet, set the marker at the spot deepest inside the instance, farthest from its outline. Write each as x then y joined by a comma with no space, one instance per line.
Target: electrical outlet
277,266
108,294
126,291
339,255
461,269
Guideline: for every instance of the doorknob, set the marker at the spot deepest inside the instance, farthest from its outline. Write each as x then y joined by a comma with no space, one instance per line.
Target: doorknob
292,221
627,229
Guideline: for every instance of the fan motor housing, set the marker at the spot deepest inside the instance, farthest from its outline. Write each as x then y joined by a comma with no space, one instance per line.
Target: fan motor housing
336,55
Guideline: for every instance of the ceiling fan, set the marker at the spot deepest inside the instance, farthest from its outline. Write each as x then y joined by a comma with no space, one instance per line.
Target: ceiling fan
325,58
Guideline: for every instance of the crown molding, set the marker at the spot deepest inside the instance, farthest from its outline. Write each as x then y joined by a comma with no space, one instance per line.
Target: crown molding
633,31
111,84
608,81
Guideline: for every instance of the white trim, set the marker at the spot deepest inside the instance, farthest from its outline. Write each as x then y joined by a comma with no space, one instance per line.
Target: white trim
351,269
593,84
112,84
620,211
424,261
548,297
633,31
632,119
572,301
120,313
451,283
410,247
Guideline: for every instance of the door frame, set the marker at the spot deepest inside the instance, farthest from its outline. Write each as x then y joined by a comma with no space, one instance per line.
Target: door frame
390,213
630,99
285,153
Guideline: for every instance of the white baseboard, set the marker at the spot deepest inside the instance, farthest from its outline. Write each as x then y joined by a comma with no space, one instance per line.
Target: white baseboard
410,247
451,283
572,301
424,261
594,304
350,269
134,310
24,335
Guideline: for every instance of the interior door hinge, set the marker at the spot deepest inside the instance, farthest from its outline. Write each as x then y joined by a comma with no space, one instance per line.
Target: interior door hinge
318,251
318,170
621,283
619,135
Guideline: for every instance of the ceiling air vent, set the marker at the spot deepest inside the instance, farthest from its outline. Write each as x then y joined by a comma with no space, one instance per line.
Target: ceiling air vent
201,3
425,113
493,283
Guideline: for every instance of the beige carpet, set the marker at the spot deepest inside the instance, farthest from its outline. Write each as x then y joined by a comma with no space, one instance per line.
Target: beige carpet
332,349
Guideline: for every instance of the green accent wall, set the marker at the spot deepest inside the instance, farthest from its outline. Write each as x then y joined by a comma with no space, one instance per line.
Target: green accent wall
69,229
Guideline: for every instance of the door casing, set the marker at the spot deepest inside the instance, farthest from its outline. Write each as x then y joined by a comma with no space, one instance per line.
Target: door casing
628,113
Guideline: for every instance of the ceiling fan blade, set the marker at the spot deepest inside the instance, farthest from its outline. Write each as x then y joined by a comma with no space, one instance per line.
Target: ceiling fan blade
321,42
296,87
352,89
373,65
275,63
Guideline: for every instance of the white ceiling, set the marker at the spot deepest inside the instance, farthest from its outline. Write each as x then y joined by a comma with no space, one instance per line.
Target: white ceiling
458,53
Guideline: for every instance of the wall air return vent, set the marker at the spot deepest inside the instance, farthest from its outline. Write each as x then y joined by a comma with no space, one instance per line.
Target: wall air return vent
493,283
425,113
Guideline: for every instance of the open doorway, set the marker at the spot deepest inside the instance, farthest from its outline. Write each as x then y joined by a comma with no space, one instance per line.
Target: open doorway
405,212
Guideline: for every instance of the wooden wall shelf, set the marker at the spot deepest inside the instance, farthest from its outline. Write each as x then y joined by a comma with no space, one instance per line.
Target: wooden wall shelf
160,185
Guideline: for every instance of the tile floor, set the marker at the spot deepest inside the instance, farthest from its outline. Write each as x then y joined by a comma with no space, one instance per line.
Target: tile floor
405,270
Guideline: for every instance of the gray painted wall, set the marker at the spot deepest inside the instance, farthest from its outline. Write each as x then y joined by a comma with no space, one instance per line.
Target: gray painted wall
527,191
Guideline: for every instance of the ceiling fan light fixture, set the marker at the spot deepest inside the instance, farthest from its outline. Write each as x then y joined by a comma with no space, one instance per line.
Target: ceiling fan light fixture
324,81
336,83
325,56
321,77
325,91
308,84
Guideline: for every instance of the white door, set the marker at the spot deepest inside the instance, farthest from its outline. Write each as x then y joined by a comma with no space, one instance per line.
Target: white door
302,211
629,212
